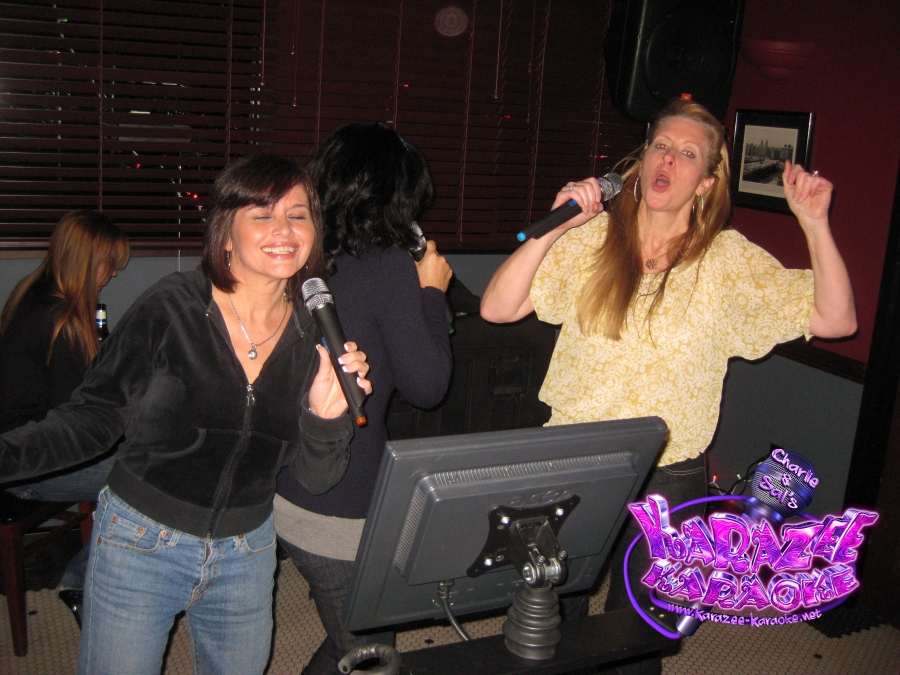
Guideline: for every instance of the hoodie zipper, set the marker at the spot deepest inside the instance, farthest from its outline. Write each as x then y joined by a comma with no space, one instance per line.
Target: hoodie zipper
244,439
228,473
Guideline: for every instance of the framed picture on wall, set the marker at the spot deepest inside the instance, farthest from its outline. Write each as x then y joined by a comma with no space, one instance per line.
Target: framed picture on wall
763,140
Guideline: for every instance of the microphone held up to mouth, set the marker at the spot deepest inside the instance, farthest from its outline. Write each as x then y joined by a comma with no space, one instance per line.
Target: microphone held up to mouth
320,304
610,185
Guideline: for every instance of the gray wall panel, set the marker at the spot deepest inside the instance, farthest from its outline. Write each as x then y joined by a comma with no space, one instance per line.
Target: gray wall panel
803,409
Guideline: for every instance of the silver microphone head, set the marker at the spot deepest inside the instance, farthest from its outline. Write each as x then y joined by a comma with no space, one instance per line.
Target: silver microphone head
418,252
316,293
610,185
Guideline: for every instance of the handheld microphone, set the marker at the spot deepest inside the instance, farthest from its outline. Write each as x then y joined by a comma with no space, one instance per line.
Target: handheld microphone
610,185
418,252
321,306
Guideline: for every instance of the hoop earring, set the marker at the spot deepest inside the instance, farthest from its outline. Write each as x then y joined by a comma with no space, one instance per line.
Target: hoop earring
694,211
636,181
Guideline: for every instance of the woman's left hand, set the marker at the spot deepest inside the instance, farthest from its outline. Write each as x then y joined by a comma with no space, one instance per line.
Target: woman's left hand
807,194
326,399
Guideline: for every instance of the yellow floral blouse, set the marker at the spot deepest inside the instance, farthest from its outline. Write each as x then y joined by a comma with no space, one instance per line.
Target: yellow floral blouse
735,301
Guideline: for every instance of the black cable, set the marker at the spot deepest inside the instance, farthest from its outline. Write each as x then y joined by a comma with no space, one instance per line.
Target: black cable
444,595
746,477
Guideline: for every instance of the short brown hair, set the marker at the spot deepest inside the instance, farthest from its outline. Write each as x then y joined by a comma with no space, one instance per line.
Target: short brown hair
256,180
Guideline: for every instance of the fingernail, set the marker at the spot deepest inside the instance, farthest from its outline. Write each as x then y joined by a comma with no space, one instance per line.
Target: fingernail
347,346
344,368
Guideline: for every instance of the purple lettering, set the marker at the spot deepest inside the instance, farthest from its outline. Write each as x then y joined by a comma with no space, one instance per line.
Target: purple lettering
724,525
691,586
808,588
824,588
720,591
785,592
752,593
767,551
675,547
833,528
653,518
842,579
846,547
797,539
660,570
701,542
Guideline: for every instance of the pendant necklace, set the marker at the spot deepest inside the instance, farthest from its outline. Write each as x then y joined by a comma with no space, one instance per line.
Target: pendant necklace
650,263
253,353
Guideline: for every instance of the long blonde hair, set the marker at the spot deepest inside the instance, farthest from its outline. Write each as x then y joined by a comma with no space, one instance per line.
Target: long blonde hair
82,243
617,270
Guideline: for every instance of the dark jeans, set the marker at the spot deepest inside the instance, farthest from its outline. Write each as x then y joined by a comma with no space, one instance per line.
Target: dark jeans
329,581
678,483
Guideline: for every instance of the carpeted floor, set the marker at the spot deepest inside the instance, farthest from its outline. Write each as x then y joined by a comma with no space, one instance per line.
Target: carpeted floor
799,649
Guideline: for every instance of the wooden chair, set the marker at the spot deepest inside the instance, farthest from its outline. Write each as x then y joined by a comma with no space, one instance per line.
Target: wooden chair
19,517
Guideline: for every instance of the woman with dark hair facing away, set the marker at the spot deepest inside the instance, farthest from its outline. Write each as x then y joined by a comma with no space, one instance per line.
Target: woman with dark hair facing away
372,185
214,379
656,295
48,337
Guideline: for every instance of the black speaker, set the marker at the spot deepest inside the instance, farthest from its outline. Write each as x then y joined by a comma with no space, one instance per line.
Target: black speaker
657,50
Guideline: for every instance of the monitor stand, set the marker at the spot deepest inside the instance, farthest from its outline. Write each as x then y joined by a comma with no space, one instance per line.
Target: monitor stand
526,539
588,644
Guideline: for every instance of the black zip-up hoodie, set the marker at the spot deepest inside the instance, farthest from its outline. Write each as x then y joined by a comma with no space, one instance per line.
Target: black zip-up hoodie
201,446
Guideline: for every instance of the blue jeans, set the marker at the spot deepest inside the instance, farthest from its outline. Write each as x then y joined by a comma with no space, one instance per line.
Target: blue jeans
141,574
81,485
329,581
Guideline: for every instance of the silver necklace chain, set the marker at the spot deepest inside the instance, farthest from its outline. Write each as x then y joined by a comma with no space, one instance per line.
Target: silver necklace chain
253,353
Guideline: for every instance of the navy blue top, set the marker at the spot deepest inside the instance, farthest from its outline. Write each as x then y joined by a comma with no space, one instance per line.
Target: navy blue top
402,328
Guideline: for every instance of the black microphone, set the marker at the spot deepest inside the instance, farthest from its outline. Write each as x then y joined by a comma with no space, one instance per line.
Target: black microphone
321,305
418,252
610,185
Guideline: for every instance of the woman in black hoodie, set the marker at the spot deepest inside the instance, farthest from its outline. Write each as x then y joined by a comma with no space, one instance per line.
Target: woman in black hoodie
213,379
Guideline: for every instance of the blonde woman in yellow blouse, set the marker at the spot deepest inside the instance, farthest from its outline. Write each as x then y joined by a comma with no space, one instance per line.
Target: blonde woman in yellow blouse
655,296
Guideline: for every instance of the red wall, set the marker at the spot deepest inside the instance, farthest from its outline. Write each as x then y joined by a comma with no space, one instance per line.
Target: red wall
851,83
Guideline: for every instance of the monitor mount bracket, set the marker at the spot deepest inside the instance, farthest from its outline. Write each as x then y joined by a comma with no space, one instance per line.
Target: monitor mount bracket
527,539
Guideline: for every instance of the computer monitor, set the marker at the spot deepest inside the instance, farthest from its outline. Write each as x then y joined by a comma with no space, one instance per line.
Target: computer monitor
429,518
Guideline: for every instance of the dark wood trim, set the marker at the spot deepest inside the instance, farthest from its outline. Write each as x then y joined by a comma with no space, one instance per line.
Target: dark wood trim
13,245
821,359
876,410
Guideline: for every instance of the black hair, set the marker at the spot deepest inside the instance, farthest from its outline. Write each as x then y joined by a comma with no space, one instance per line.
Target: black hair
372,185
256,180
